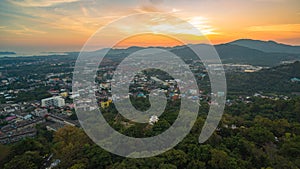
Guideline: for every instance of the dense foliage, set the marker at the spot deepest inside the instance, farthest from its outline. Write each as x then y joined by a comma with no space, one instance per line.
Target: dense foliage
261,133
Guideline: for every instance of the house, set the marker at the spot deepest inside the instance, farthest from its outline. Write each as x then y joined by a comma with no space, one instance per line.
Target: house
64,94
11,138
39,112
154,119
105,104
10,118
27,117
294,80
141,95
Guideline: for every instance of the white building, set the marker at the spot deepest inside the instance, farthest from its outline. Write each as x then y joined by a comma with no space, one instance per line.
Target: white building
53,101
153,119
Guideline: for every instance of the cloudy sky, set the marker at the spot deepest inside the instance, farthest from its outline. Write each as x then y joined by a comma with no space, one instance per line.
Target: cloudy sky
65,25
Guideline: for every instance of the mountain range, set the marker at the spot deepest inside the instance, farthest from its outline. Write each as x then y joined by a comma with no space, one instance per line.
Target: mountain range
243,51
267,46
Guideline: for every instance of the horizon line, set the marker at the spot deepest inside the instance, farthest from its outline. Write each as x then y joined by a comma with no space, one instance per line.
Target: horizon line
53,52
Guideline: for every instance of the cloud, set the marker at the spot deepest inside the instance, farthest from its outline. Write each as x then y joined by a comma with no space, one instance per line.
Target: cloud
202,24
148,8
25,31
166,25
276,28
174,10
39,3
271,0
156,1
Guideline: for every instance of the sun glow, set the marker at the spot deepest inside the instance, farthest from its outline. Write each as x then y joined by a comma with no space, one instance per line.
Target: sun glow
51,25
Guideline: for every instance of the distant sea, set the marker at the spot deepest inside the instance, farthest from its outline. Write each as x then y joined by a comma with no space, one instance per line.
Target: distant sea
25,54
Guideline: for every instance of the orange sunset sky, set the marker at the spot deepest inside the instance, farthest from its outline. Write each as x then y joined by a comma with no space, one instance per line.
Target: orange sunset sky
65,25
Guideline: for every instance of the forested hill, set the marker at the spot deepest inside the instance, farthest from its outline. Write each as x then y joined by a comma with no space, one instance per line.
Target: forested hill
276,79
253,52
267,46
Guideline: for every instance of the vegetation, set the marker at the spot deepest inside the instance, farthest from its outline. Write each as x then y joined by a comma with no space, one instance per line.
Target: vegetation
262,133
255,132
269,80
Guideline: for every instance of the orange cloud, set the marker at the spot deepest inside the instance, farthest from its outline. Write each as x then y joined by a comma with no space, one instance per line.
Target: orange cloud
149,39
39,3
276,28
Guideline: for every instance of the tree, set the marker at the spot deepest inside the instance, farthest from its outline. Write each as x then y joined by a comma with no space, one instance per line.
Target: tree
167,166
98,158
220,159
260,135
291,148
28,160
79,166
28,144
69,145
176,157
196,165
160,126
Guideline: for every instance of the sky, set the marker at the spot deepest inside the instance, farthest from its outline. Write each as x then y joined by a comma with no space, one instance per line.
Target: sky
65,25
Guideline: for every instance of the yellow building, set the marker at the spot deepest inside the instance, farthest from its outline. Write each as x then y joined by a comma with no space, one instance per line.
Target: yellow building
64,94
105,104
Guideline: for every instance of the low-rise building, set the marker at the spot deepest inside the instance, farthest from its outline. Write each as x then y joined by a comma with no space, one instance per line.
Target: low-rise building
39,112
106,104
295,79
154,119
56,101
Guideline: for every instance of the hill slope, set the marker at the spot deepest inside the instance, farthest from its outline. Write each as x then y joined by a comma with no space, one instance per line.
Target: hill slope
267,46
276,79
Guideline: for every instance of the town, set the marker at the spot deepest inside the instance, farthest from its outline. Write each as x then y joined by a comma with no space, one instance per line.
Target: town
30,98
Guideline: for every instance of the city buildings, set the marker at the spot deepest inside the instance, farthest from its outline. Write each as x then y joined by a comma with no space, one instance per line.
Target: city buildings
56,101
